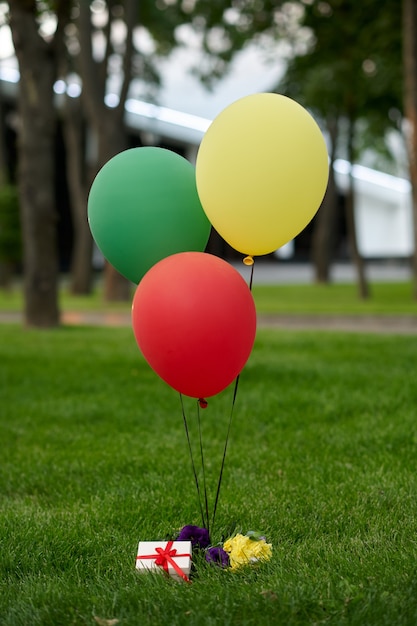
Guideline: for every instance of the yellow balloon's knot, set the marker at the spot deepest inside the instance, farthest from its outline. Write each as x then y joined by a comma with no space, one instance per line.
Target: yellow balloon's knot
248,260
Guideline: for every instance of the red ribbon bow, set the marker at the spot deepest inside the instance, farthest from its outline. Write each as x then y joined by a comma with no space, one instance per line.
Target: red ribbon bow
164,557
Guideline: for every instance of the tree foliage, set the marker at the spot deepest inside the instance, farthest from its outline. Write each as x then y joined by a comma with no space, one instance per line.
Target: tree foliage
353,67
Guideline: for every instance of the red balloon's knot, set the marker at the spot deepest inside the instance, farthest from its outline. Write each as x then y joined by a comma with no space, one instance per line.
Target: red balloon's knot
203,403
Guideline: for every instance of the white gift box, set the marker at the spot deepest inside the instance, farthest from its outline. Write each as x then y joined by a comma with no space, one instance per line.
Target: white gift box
173,557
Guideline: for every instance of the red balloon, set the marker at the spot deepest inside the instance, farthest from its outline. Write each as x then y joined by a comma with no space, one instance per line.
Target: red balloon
194,320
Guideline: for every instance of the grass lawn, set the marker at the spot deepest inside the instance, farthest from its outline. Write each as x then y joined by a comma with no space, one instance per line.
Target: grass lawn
322,459
311,299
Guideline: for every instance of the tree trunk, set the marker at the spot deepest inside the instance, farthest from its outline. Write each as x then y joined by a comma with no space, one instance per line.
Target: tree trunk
410,108
6,268
324,227
114,289
4,175
7,272
106,123
112,140
36,166
357,259
77,174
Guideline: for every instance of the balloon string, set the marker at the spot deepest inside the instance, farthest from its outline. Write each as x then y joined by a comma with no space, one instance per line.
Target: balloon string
203,469
252,266
192,459
251,275
225,451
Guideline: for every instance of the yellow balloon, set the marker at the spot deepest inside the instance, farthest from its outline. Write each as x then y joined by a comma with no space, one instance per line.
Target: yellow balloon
261,172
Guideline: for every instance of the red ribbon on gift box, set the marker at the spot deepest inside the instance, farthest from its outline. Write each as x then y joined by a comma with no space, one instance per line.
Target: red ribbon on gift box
164,557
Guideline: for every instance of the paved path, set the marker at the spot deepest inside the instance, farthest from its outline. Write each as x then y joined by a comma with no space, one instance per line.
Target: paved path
400,325
387,324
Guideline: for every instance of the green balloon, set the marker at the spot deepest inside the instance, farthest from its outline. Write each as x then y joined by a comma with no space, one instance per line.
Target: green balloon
143,206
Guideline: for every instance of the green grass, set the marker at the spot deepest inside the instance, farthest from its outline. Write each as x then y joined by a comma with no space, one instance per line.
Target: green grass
322,459
332,299
335,299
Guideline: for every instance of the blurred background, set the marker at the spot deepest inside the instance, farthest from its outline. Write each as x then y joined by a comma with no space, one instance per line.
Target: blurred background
81,81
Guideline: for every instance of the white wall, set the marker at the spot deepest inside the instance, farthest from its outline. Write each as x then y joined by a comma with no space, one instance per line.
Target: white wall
383,211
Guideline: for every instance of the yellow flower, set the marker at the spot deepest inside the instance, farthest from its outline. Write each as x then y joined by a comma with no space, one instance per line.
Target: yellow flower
243,550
